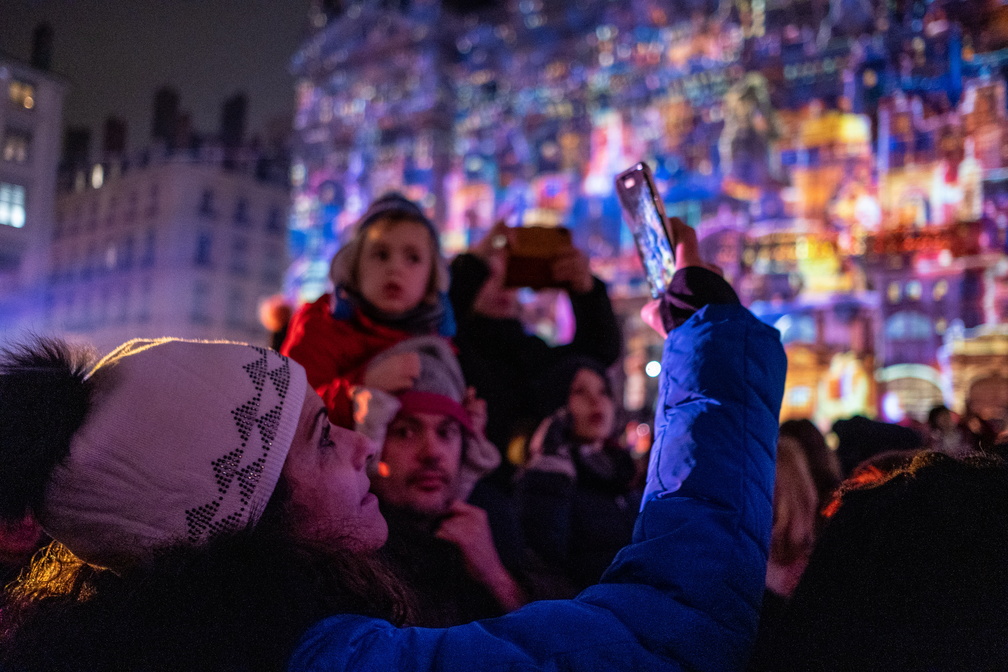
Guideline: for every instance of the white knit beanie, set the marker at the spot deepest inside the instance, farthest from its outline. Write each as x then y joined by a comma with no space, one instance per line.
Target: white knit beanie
184,440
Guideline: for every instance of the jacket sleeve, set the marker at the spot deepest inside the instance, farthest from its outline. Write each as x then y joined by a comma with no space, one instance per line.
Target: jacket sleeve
684,595
597,332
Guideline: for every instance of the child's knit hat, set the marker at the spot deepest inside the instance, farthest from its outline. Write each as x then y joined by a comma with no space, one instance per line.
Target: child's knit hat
183,440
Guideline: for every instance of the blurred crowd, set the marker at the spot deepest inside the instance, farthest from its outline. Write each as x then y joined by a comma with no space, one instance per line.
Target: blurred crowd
503,477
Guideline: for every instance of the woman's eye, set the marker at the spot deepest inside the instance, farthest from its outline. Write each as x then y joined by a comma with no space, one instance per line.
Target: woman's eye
326,440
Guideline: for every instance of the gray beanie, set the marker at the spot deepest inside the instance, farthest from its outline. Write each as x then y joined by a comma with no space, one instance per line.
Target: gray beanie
440,389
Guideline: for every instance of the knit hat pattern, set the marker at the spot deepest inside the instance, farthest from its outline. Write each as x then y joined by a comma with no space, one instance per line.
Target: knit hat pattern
392,204
185,440
440,377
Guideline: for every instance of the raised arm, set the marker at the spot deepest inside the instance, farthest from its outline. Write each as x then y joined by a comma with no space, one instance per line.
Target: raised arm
685,594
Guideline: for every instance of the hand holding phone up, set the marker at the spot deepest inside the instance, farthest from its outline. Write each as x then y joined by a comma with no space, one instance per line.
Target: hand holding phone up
572,271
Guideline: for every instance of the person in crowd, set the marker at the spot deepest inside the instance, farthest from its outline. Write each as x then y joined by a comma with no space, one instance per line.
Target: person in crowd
275,315
860,438
499,358
210,516
978,433
944,433
433,452
795,517
19,541
507,365
822,462
910,573
794,522
578,504
390,283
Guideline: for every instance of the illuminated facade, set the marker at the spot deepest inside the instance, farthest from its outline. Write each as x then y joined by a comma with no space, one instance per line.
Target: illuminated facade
845,163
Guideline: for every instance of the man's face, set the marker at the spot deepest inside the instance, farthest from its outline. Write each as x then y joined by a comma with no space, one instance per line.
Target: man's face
419,463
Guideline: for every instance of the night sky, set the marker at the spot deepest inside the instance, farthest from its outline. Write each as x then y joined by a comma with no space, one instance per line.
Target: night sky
116,53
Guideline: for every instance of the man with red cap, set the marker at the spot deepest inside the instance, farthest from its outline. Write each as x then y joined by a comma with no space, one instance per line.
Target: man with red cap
433,452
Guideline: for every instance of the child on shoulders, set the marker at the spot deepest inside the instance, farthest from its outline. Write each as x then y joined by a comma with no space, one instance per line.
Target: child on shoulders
390,283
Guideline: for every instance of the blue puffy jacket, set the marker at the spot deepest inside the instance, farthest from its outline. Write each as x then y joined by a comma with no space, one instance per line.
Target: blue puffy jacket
686,593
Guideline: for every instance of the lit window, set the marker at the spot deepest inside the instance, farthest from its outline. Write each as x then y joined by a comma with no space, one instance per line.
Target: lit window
914,289
12,205
893,293
22,94
15,146
97,176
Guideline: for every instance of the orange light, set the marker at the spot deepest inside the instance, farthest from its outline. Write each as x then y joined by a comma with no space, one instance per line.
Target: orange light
383,470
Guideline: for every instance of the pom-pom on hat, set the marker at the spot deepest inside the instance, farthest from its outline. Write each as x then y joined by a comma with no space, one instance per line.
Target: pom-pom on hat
392,205
183,440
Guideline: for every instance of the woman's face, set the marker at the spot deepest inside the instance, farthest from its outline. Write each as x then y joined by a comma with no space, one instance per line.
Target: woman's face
326,470
591,407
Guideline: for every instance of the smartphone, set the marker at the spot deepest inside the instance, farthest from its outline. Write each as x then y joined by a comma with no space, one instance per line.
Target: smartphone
644,213
531,253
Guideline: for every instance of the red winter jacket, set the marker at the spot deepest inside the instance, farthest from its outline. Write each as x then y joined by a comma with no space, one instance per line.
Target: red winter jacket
335,353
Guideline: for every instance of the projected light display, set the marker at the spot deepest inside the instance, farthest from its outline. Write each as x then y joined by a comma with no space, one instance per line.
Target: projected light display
843,161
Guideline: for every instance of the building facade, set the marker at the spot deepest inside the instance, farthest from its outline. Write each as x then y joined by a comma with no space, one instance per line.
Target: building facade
182,243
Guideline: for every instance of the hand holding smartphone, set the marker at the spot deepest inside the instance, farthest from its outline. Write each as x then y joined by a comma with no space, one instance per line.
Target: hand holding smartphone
532,251
644,213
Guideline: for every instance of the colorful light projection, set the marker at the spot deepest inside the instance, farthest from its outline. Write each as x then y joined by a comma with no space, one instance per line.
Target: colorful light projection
840,166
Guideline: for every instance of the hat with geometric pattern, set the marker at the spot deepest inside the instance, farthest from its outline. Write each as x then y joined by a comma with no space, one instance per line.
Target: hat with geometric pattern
184,440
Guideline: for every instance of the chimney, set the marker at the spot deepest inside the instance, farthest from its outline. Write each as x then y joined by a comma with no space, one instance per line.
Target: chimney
164,123
114,138
232,121
42,46
76,146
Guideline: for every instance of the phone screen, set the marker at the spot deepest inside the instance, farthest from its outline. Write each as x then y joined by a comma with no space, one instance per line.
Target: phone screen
644,214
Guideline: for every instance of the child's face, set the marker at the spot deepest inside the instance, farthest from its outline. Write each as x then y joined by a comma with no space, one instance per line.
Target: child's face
395,265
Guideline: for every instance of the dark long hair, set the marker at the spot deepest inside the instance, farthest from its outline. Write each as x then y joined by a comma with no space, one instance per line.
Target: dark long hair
237,603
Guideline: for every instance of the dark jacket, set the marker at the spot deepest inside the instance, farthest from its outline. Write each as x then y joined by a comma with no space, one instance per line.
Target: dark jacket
505,364
435,570
579,517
